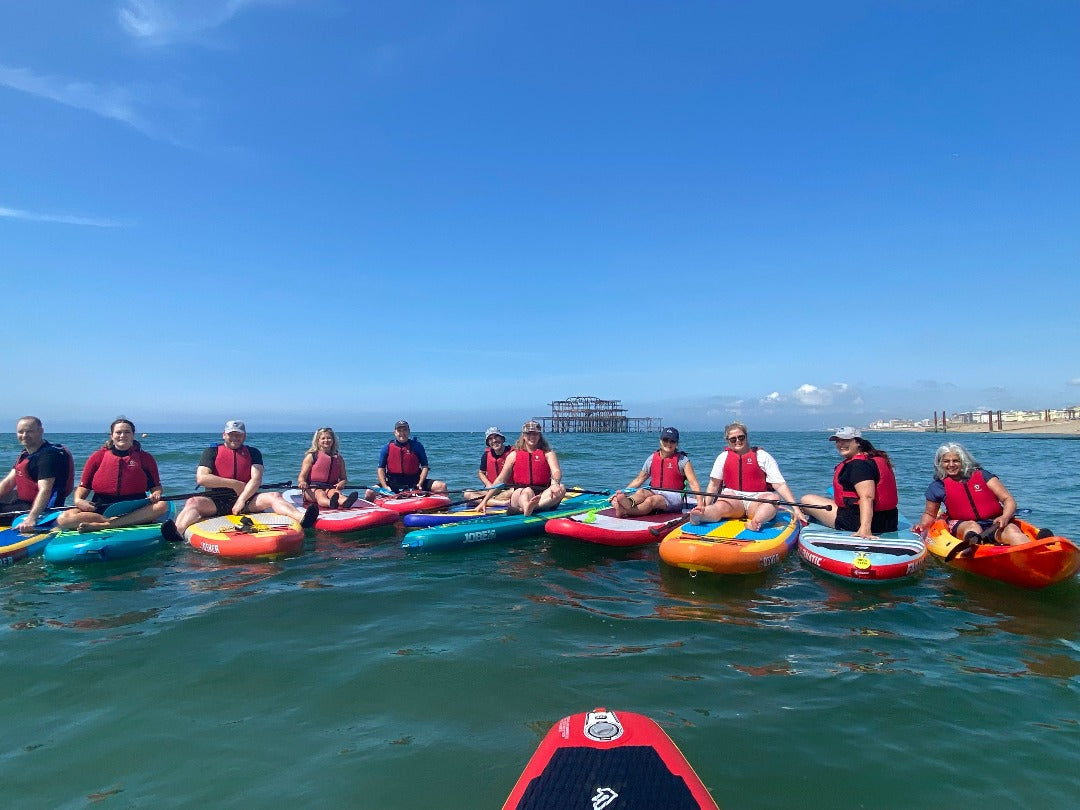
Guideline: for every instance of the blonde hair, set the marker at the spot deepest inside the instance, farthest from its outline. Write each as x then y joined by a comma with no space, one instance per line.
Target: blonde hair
315,441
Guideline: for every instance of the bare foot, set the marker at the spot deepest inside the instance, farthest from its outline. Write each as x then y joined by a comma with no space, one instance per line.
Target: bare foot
620,504
85,527
753,525
530,505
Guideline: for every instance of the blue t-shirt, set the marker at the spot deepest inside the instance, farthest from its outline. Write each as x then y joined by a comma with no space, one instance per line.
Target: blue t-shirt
413,444
936,491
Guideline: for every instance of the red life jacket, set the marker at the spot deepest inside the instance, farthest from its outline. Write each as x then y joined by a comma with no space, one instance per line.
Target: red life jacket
885,495
493,464
531,469
115,474
665,471
27,488
234,464
326,471
744,473
401,460
971,499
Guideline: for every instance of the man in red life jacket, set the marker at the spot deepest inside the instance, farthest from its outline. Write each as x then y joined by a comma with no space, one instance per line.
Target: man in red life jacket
403,465
232,473
43,475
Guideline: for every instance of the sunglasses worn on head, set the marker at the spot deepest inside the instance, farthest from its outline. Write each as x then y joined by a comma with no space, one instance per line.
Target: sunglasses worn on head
736,439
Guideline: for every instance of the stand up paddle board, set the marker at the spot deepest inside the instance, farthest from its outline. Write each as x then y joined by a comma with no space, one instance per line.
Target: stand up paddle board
604,528
405,502
247,537
14,545
455,514
886,558
361,515
106,544
730,546
608,760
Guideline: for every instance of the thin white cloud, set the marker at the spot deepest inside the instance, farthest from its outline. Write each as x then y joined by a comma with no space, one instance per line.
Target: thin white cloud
62,219
115,101
162,22
1074,381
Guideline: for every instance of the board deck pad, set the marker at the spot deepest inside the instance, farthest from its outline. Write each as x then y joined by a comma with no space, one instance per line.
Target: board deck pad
608,760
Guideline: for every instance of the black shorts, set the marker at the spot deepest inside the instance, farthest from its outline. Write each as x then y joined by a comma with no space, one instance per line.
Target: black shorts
400,483
954,524
847,520
223,500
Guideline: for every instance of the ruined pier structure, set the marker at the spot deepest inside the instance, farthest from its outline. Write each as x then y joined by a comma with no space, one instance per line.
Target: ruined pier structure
595,415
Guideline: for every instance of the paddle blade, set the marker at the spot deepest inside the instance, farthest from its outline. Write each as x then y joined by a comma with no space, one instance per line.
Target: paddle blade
124,507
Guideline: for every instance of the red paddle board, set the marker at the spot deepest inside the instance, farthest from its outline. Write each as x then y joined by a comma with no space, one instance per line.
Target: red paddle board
603,760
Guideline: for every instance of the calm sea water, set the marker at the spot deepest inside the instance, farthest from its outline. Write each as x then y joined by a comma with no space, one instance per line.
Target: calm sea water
356,675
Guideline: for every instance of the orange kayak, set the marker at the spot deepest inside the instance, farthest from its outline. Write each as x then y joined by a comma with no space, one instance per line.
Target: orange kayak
1037,564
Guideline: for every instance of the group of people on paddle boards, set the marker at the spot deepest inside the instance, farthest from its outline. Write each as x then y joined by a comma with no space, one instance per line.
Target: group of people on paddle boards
745,482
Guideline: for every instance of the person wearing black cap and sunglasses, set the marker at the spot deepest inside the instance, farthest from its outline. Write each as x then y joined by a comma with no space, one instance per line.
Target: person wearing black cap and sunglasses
668,469
403,464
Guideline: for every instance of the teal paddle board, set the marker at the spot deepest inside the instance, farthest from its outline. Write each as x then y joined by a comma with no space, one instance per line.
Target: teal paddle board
73,547
501,529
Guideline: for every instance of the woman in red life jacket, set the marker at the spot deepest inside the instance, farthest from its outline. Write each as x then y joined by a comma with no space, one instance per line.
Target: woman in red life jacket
747,481
979,506
120,470
668,471
492,461
322,473
532,469
864,488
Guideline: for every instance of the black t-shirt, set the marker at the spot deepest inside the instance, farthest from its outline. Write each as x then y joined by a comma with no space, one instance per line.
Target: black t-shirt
48,461
209,458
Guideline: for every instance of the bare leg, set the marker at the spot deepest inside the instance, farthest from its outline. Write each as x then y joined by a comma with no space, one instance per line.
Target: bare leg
826,517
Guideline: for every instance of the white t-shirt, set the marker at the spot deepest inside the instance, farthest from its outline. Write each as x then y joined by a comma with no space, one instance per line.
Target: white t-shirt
765,461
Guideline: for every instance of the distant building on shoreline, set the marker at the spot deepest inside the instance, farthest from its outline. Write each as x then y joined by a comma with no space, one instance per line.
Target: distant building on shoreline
1014,418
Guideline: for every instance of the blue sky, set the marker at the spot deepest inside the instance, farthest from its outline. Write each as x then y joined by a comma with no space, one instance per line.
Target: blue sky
298,213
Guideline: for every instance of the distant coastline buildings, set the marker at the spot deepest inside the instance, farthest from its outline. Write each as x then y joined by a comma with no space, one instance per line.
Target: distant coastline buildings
997,419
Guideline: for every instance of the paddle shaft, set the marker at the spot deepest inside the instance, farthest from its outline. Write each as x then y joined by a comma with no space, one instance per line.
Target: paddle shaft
826,507
379,488
126,507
